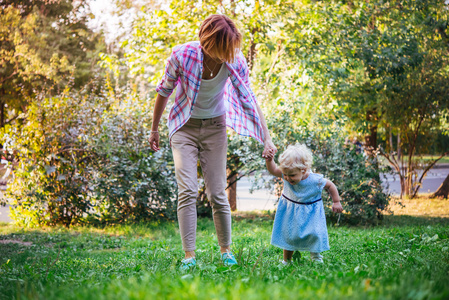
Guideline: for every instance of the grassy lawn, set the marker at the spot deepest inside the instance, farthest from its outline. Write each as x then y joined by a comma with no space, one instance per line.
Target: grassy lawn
443,160
423,159
407,257
422,206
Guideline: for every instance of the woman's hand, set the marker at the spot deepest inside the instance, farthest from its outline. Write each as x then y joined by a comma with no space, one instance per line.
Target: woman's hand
154,140
336,207
269,149
159,107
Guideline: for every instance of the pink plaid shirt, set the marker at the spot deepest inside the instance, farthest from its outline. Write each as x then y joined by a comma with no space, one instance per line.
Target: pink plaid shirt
184,70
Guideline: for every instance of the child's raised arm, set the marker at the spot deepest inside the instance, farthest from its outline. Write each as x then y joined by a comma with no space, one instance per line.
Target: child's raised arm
272,168
333,192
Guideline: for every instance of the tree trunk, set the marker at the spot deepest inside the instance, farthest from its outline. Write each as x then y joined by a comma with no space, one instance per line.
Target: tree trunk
232,191
2,113
233,8
252,50
424,173
371,139
443,190
403,185
408,184
391,141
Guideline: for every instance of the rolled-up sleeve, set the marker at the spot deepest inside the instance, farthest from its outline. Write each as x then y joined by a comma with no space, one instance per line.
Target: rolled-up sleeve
170,78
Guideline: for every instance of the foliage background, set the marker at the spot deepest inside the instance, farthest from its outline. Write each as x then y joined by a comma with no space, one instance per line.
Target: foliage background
322,72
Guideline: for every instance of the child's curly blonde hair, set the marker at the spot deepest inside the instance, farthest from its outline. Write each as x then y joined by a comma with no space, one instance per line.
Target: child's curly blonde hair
296,156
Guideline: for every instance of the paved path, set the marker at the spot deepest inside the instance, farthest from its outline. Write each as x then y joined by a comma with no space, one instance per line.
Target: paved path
4,211
431,183
264,200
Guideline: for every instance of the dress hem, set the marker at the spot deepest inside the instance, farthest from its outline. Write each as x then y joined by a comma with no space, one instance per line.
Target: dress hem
300,249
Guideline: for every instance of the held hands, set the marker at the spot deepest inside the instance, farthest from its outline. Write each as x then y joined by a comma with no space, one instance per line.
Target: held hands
336,207
154,140
269,150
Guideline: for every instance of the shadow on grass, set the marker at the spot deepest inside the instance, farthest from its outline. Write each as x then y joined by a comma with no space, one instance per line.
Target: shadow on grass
405,220
388,220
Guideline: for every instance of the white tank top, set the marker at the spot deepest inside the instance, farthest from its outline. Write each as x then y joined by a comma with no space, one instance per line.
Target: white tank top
209,102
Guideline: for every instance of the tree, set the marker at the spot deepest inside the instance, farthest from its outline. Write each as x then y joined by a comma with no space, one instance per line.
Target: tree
157,31
43,43
416,87
443,190
386,65
294,51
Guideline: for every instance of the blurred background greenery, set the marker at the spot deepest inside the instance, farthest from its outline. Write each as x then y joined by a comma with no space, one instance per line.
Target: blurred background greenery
363,83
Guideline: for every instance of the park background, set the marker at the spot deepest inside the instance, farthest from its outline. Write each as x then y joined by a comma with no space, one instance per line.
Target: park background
363,83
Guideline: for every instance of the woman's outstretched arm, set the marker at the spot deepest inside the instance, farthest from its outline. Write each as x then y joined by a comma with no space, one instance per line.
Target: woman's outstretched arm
268,143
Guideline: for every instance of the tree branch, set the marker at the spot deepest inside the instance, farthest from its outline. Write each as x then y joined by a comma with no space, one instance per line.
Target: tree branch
393,161
427,169
238,178
415,137
5,79
443,35
12,119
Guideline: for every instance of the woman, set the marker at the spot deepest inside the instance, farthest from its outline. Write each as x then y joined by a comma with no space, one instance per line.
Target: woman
213,91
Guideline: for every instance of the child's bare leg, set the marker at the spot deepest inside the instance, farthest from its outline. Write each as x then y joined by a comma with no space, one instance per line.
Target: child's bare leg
288,255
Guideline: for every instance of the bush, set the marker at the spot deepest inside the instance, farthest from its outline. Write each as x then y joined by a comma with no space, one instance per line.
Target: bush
84,157
356,176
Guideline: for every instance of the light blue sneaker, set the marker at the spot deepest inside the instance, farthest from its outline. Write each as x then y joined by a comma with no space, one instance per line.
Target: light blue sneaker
187,264
228,259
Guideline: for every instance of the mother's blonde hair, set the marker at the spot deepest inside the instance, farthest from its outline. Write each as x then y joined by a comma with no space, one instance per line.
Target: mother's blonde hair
220,38
296,156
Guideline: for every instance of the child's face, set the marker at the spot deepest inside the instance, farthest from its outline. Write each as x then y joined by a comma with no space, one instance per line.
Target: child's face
293,176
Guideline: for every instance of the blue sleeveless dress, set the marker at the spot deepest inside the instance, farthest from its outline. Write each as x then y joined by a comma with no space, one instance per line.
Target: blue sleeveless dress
300,222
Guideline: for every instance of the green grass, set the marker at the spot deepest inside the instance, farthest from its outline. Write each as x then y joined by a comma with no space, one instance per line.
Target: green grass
405,258
423,159
443,160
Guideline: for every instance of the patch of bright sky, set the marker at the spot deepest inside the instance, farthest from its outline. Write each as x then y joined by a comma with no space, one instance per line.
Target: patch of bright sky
113,25
116,26
106,21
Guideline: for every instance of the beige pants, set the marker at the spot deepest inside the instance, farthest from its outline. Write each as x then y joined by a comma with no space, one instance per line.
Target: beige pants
207,140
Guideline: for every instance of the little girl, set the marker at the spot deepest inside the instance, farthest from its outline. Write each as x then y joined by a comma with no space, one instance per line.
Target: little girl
300,223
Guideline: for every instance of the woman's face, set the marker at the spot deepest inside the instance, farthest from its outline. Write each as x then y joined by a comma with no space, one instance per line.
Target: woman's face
214,58
293,176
